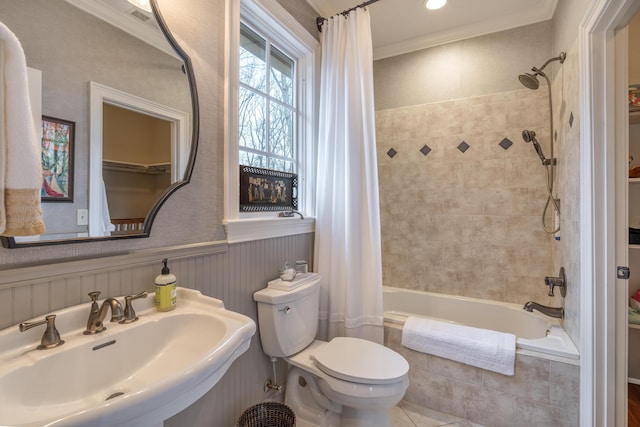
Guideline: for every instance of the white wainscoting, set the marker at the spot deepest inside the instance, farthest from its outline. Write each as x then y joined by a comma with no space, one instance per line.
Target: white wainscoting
230,272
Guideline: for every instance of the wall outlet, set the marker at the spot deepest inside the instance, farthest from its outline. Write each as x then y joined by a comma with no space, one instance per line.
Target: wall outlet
82,217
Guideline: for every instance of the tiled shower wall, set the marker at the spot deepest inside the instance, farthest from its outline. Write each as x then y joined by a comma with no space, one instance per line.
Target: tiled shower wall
566,110
461,197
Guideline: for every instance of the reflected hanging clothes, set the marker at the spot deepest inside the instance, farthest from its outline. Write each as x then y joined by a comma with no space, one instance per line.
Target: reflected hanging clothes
105,226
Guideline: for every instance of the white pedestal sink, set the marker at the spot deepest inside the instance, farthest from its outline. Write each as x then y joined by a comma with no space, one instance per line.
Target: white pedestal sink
136,374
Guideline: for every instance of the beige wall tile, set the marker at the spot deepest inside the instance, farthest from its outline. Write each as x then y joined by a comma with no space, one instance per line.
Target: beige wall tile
487,407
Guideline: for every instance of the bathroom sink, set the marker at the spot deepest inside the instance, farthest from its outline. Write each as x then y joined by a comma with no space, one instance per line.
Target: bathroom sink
136,374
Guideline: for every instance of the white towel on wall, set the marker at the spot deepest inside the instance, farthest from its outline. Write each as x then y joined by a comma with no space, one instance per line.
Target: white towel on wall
483,348
20,163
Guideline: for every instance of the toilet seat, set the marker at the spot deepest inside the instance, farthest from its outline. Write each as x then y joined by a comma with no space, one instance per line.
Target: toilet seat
350,393
360,361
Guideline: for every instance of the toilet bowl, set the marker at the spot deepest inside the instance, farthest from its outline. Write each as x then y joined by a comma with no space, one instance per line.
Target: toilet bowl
361,400
347,382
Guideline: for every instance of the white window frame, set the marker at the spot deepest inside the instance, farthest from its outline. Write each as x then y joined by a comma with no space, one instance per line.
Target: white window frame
269,17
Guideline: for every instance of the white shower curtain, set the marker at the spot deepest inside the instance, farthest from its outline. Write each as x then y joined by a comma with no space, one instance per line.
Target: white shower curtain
347,239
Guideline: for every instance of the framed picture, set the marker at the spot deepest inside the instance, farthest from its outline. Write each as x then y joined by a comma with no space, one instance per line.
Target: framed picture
634,98
57,159
267,190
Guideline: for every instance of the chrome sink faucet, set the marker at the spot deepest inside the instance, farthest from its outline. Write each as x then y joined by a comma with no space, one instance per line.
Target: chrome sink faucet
557,312
98,313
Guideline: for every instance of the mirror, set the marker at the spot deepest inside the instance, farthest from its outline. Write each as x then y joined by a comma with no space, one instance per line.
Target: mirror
116,73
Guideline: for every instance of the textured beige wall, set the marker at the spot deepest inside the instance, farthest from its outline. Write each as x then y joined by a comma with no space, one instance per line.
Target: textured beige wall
566,20
566,99
465,223
477,66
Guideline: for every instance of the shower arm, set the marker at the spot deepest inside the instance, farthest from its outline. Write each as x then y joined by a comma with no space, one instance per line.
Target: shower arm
560,58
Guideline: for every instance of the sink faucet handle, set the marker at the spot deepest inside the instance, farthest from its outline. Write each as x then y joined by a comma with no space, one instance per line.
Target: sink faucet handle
94,296
129,312
51,336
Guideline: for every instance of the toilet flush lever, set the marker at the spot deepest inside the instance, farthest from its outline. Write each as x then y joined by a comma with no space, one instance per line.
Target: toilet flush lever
286,310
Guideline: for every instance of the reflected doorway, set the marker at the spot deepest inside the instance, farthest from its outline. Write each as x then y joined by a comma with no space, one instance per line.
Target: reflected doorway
138,149
136,165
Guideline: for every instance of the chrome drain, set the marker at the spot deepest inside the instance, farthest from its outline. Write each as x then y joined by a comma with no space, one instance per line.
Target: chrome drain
114,395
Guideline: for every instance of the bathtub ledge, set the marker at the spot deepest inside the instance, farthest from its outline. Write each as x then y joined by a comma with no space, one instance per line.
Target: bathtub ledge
556,343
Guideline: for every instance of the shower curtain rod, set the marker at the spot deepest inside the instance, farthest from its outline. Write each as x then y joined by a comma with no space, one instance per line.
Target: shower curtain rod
320,19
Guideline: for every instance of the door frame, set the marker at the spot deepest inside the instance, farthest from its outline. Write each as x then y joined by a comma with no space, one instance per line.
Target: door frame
602,326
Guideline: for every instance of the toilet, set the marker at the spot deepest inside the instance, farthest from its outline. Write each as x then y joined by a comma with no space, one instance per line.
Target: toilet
347,382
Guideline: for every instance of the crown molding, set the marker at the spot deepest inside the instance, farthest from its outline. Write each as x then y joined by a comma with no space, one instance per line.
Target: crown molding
498,23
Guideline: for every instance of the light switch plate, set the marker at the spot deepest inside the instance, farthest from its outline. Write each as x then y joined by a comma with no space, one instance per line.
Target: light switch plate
82,217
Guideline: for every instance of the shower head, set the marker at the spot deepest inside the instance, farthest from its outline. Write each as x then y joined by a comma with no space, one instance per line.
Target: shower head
530,136
531,80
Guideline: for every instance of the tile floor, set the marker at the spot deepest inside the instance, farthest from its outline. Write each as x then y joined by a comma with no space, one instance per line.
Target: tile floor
409,415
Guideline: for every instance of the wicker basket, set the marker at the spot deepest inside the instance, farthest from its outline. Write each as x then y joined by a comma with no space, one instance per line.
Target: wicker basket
267,414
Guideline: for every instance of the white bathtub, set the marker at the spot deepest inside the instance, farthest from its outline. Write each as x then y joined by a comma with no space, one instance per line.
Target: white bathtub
535,332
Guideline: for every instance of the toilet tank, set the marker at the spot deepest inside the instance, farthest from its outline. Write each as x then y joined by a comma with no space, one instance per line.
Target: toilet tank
288,320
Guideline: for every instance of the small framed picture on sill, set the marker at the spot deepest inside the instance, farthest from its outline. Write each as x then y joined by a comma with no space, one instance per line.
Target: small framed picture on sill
264,190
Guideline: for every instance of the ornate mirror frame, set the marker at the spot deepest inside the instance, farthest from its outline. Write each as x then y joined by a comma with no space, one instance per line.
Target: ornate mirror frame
10,242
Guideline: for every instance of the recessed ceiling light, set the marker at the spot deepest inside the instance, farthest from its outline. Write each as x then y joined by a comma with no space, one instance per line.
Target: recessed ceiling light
146,5
434,4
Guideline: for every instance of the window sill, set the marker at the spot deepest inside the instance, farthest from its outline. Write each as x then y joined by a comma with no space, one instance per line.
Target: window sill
245,230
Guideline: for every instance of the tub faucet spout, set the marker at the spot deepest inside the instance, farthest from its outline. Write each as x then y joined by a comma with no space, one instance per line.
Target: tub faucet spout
557,312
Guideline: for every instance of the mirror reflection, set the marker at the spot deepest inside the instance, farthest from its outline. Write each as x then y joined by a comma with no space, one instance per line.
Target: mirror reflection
105,66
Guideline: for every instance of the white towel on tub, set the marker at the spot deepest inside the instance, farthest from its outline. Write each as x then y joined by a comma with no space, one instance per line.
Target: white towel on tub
483,348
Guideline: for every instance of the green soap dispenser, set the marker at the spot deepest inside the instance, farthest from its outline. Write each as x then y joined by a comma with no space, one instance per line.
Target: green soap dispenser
165,289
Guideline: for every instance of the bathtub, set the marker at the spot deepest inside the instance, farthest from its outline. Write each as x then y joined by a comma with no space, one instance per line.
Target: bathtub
535,333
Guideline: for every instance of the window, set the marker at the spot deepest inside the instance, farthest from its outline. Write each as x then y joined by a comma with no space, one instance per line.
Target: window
271,98
266,108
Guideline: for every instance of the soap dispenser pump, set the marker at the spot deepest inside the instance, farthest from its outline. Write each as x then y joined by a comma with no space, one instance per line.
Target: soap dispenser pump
165,289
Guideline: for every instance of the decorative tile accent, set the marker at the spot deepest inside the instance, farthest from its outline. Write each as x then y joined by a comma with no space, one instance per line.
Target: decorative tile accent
505,143
425,150
463,146
571,119
391,152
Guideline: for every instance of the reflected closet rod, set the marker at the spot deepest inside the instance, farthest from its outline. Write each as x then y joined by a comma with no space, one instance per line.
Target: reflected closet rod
320,20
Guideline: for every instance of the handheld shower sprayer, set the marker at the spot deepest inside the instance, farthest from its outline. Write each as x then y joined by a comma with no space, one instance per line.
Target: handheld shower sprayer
530,136
530,80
